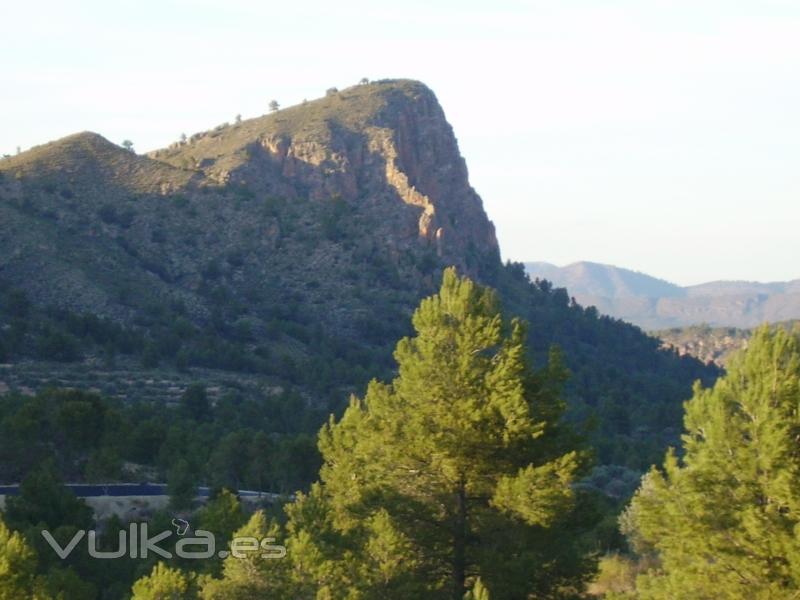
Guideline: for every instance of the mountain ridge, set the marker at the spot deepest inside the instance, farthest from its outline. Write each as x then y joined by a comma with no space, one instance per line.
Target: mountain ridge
88,154
612,280
654,303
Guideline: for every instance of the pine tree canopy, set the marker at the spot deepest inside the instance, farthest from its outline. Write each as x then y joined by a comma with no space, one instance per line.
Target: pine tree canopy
163,583
459,462
724,517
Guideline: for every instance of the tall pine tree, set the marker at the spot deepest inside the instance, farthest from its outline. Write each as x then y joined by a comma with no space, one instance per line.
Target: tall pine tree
459,467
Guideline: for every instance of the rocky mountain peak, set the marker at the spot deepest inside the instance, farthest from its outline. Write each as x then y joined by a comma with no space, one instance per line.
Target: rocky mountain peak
384,147
363,188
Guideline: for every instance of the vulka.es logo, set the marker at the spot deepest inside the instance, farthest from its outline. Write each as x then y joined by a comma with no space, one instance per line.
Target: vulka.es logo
137,543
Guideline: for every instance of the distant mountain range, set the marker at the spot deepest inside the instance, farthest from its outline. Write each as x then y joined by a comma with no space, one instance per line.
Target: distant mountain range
654,303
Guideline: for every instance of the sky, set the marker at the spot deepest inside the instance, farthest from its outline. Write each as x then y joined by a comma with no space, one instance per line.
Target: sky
661,136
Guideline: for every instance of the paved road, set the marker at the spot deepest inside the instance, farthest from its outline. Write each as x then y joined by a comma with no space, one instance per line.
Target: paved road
92,490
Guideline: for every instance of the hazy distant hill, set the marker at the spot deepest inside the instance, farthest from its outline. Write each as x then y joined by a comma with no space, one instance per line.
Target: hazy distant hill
595,279
654,303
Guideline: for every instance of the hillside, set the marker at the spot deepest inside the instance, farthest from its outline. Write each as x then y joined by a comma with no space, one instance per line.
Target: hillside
654,303
711,344
287,252
313,193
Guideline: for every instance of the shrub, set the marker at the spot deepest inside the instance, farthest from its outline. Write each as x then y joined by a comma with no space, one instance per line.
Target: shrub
107,213
59,346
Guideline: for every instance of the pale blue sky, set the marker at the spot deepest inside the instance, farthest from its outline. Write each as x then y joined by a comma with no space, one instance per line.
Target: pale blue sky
662,136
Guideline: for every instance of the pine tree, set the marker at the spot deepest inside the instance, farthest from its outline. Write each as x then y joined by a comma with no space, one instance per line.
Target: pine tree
17,566
724,519
254,573
195,403
222,516
164,583
478,592
456,469
181,485
44,502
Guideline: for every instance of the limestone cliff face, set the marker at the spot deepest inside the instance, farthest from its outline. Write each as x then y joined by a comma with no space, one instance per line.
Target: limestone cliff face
425,169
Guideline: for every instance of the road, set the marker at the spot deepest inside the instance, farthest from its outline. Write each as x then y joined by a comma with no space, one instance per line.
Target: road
93,490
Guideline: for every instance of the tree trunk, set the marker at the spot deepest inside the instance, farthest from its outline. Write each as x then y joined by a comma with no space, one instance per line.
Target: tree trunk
460,542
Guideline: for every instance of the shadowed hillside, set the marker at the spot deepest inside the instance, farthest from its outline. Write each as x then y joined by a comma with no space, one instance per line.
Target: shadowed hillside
290,248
